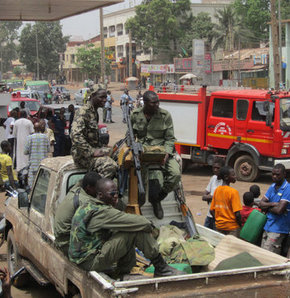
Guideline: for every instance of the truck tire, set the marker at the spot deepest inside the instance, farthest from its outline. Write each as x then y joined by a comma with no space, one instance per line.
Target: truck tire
246,169
14,261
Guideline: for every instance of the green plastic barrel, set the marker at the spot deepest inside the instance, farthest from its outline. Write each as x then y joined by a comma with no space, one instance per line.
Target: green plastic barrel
254,227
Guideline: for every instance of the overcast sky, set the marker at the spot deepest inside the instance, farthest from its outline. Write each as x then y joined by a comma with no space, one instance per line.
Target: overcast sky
86,25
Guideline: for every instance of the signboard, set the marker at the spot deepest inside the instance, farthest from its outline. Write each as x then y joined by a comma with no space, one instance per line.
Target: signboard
184,65
198,57
157,68
232,64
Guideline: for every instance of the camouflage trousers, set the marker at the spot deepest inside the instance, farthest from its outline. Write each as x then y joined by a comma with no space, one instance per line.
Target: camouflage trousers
120,249
105,166
273,241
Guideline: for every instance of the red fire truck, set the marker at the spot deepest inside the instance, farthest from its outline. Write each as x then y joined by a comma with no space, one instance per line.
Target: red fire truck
249,128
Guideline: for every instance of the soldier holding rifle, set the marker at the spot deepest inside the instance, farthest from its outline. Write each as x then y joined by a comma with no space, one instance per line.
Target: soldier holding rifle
153,126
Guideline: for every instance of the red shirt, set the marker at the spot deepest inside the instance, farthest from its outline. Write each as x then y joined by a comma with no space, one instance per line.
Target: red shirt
245,212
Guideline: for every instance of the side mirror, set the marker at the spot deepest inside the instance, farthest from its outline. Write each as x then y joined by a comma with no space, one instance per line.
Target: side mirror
23,201
269,117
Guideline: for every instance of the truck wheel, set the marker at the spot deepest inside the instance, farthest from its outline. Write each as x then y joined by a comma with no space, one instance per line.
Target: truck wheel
246,169
14,261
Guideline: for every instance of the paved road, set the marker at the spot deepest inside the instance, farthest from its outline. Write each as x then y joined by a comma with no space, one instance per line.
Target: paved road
194,179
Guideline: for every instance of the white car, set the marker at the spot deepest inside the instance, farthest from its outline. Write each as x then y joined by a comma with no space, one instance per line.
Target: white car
80,95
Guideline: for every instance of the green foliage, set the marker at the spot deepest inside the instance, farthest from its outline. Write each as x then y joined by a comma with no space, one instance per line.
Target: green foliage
161,25
17,71
89,60
230,31
51,43
8,36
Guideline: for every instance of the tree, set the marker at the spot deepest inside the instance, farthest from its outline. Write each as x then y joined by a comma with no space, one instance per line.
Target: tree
230,31
161,25
8,49
51,43
89,60
17,71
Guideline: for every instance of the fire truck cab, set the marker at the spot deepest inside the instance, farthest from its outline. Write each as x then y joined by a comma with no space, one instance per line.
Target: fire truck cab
249,128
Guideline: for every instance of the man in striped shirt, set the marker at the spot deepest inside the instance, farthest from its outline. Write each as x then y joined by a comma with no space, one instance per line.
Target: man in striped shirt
37,147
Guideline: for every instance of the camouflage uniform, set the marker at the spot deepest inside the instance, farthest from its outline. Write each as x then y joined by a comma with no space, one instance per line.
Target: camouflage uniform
158,132
64,214
102,235
85,140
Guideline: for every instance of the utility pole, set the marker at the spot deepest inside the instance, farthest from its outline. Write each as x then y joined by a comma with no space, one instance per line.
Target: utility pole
130,54
102,47
37,56
280,41
275,44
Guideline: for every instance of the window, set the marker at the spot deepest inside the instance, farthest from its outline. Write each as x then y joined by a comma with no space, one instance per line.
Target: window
223,108
120,51
259,113
73,179
120,29
105,32
72,58
111,31
242,109
38,198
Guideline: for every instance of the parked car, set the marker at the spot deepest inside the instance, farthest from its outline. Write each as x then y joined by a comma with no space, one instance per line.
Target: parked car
32,104
28,94
42,87
80,96
65,92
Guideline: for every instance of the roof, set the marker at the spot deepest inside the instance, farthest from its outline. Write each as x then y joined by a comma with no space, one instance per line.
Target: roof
35,83
60,163
48,10
247,93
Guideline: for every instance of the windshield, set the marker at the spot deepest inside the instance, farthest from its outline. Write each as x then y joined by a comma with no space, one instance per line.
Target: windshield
14,85
44,88
285,113
31,105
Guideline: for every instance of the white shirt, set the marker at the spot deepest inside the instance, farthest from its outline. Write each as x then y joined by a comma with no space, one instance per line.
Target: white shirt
214,182
9,121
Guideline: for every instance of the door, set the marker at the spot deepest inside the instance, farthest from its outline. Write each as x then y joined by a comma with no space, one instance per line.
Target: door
35,238
220,123
258,134
241,119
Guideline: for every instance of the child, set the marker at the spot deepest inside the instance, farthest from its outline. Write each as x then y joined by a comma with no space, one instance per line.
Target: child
214,182
248,199
255,189
6,170
226,205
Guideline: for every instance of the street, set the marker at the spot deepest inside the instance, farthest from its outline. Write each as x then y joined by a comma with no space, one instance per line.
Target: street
195,180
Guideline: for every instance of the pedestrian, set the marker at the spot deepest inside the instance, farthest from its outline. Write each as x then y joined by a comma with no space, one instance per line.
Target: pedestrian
37,148
8,125
126,100
248,199
108,107
59,122
153,126
276,204
226,205
255,190
5,282
6,169
214,182
23,107
86,150
102,236
21,130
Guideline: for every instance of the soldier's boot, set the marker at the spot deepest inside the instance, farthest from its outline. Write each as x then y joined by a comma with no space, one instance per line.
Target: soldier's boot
162,269
155,197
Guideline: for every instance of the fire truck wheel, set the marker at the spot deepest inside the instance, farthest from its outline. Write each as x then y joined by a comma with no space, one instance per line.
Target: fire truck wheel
246,169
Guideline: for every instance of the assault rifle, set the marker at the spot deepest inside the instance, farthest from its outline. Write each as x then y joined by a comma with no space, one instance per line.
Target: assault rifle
136,149
189,221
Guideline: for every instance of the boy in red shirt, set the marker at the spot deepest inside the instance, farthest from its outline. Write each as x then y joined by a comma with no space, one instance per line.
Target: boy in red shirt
248,199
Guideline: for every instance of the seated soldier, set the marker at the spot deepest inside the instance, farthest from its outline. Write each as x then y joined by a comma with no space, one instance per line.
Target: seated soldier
153,126
79,194
102,235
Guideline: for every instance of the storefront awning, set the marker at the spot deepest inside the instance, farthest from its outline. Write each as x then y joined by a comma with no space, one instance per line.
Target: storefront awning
256,68
47,10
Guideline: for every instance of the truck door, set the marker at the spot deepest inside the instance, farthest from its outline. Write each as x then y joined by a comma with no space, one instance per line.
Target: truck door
220,123
241,117
258,134
35,237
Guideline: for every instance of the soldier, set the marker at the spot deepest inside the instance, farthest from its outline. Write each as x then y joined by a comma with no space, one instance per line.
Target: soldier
102,235
86,150
153,127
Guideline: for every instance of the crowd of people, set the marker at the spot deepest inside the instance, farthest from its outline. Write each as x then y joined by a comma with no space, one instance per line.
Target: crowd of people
228,216
30,139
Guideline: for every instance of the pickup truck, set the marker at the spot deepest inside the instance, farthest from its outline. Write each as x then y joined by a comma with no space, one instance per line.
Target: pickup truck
30,243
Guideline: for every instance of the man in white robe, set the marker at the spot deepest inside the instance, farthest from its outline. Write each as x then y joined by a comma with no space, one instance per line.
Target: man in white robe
21,130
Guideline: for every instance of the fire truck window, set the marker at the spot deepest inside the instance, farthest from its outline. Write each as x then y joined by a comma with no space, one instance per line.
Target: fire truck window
242,109
258,113
223,108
